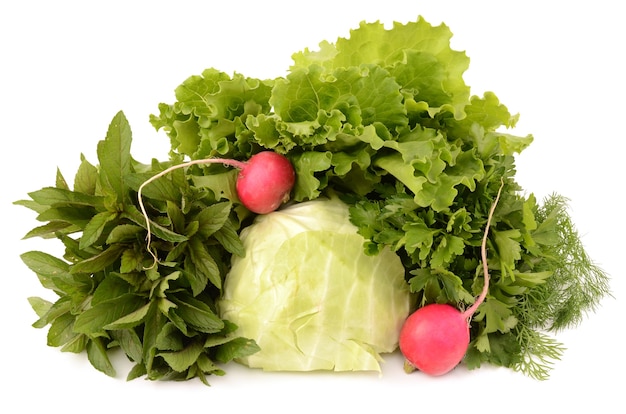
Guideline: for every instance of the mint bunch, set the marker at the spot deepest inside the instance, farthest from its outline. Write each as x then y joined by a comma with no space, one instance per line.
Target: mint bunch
110,295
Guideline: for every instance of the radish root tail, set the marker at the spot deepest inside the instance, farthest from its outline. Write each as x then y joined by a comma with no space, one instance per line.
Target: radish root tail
483,251
155,259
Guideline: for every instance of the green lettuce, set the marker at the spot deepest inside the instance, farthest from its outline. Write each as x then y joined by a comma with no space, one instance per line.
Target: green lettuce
344,114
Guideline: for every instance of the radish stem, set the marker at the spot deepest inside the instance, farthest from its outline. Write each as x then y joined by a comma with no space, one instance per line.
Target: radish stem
233,163
483,250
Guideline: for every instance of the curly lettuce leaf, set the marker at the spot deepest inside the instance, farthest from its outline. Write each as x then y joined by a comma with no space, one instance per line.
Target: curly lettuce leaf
417,54
208,112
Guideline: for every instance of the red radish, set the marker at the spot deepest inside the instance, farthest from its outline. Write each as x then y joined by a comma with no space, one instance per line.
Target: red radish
435,338
263,184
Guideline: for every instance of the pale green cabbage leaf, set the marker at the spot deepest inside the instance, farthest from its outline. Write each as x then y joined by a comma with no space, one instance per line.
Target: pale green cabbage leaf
310,297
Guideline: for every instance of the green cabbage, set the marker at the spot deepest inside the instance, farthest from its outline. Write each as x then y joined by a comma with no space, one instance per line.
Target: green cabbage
310,297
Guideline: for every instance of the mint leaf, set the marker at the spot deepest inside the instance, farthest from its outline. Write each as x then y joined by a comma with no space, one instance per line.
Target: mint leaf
213,218
94,320
52,196
97,354
123,233
196,313
114,157
169,339
95,227
62,330
236,348
39,305
99,261
86,178
162,189
57,309
51,228
129,320
129,341
53,273
183,359
133,213
205,266
228,237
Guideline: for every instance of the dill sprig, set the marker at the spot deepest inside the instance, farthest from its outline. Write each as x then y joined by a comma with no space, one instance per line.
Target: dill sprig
574,289
539,352
577,283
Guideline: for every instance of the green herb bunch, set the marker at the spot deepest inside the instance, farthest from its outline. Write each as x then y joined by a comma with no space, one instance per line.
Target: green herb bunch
111,293
383,120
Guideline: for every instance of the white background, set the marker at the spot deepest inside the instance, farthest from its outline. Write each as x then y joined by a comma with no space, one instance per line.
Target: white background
67,67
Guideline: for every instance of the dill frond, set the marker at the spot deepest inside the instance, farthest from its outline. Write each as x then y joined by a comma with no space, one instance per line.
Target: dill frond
538,354
578,284
575,288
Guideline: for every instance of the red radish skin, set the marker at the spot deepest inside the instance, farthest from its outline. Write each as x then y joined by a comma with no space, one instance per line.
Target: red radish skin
264,183
434,339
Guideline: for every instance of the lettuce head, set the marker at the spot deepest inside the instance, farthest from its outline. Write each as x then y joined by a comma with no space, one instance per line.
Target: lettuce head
310,297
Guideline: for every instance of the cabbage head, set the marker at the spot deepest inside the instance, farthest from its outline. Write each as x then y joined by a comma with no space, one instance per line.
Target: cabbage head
308,294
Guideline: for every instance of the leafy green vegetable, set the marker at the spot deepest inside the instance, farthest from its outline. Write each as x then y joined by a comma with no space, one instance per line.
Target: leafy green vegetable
308,294
163,318
382,120
385,120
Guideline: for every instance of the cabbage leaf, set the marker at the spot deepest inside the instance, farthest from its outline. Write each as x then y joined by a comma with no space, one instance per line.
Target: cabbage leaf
310,297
